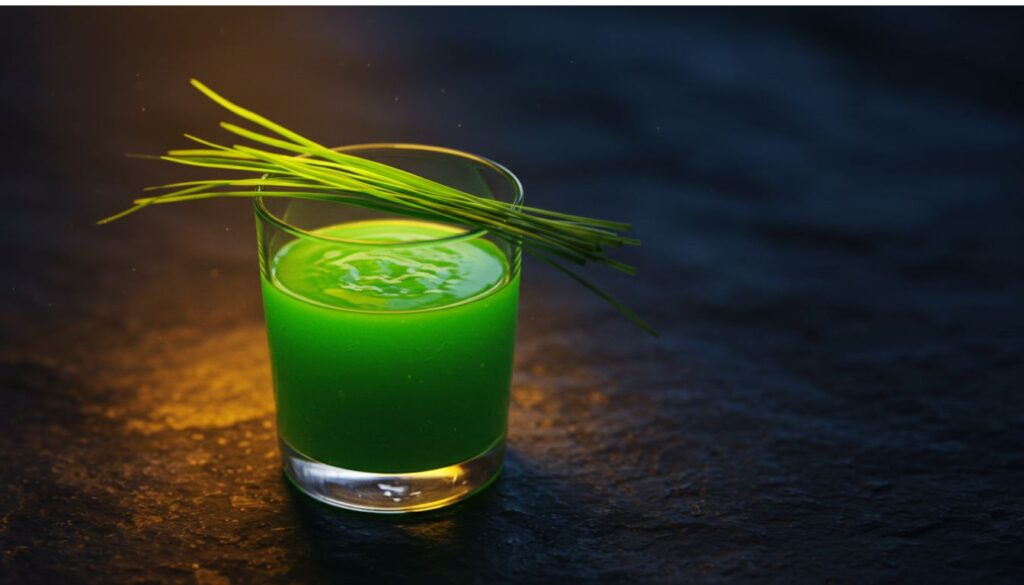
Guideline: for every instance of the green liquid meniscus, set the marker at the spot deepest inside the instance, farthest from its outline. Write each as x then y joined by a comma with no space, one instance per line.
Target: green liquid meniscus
391,359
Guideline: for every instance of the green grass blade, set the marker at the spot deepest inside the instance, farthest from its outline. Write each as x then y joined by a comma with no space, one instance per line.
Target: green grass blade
621,308
302,168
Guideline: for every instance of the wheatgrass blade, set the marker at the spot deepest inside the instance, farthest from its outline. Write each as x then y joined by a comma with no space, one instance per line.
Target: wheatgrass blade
310,170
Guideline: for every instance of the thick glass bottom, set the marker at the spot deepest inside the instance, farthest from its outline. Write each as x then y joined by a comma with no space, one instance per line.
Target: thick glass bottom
392,493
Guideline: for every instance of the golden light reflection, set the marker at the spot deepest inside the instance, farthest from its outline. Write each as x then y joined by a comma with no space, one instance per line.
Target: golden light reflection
187,379
551,403
570,419
437,532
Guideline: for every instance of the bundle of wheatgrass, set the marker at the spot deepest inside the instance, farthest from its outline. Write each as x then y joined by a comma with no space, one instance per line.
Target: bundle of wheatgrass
295,166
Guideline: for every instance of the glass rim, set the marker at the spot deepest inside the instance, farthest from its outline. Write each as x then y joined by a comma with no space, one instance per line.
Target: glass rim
517,199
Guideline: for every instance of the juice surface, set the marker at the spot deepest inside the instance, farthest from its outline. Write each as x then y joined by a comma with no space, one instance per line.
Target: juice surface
395,358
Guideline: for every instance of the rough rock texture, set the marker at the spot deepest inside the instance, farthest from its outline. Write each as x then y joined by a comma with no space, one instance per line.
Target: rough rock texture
833,220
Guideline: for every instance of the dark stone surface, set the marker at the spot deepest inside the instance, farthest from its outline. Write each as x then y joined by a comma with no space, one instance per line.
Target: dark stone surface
832,212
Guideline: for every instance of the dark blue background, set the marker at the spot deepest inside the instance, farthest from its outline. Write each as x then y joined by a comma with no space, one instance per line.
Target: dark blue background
831,208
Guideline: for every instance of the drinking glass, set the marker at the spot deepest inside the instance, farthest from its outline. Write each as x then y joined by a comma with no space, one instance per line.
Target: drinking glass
391,339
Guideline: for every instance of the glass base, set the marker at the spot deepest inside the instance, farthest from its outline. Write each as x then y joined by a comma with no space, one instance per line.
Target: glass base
392,493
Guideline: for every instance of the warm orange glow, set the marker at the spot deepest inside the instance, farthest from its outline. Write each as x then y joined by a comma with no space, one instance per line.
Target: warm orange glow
213,383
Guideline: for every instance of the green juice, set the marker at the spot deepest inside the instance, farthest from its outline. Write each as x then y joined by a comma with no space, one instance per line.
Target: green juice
391,359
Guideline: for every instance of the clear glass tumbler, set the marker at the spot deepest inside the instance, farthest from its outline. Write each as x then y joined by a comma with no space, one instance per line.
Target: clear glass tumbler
391,339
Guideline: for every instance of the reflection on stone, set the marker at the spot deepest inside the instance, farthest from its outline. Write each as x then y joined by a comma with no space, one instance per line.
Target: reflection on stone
188,379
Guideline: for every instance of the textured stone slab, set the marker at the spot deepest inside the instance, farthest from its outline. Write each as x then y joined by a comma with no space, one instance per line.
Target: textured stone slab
831,207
